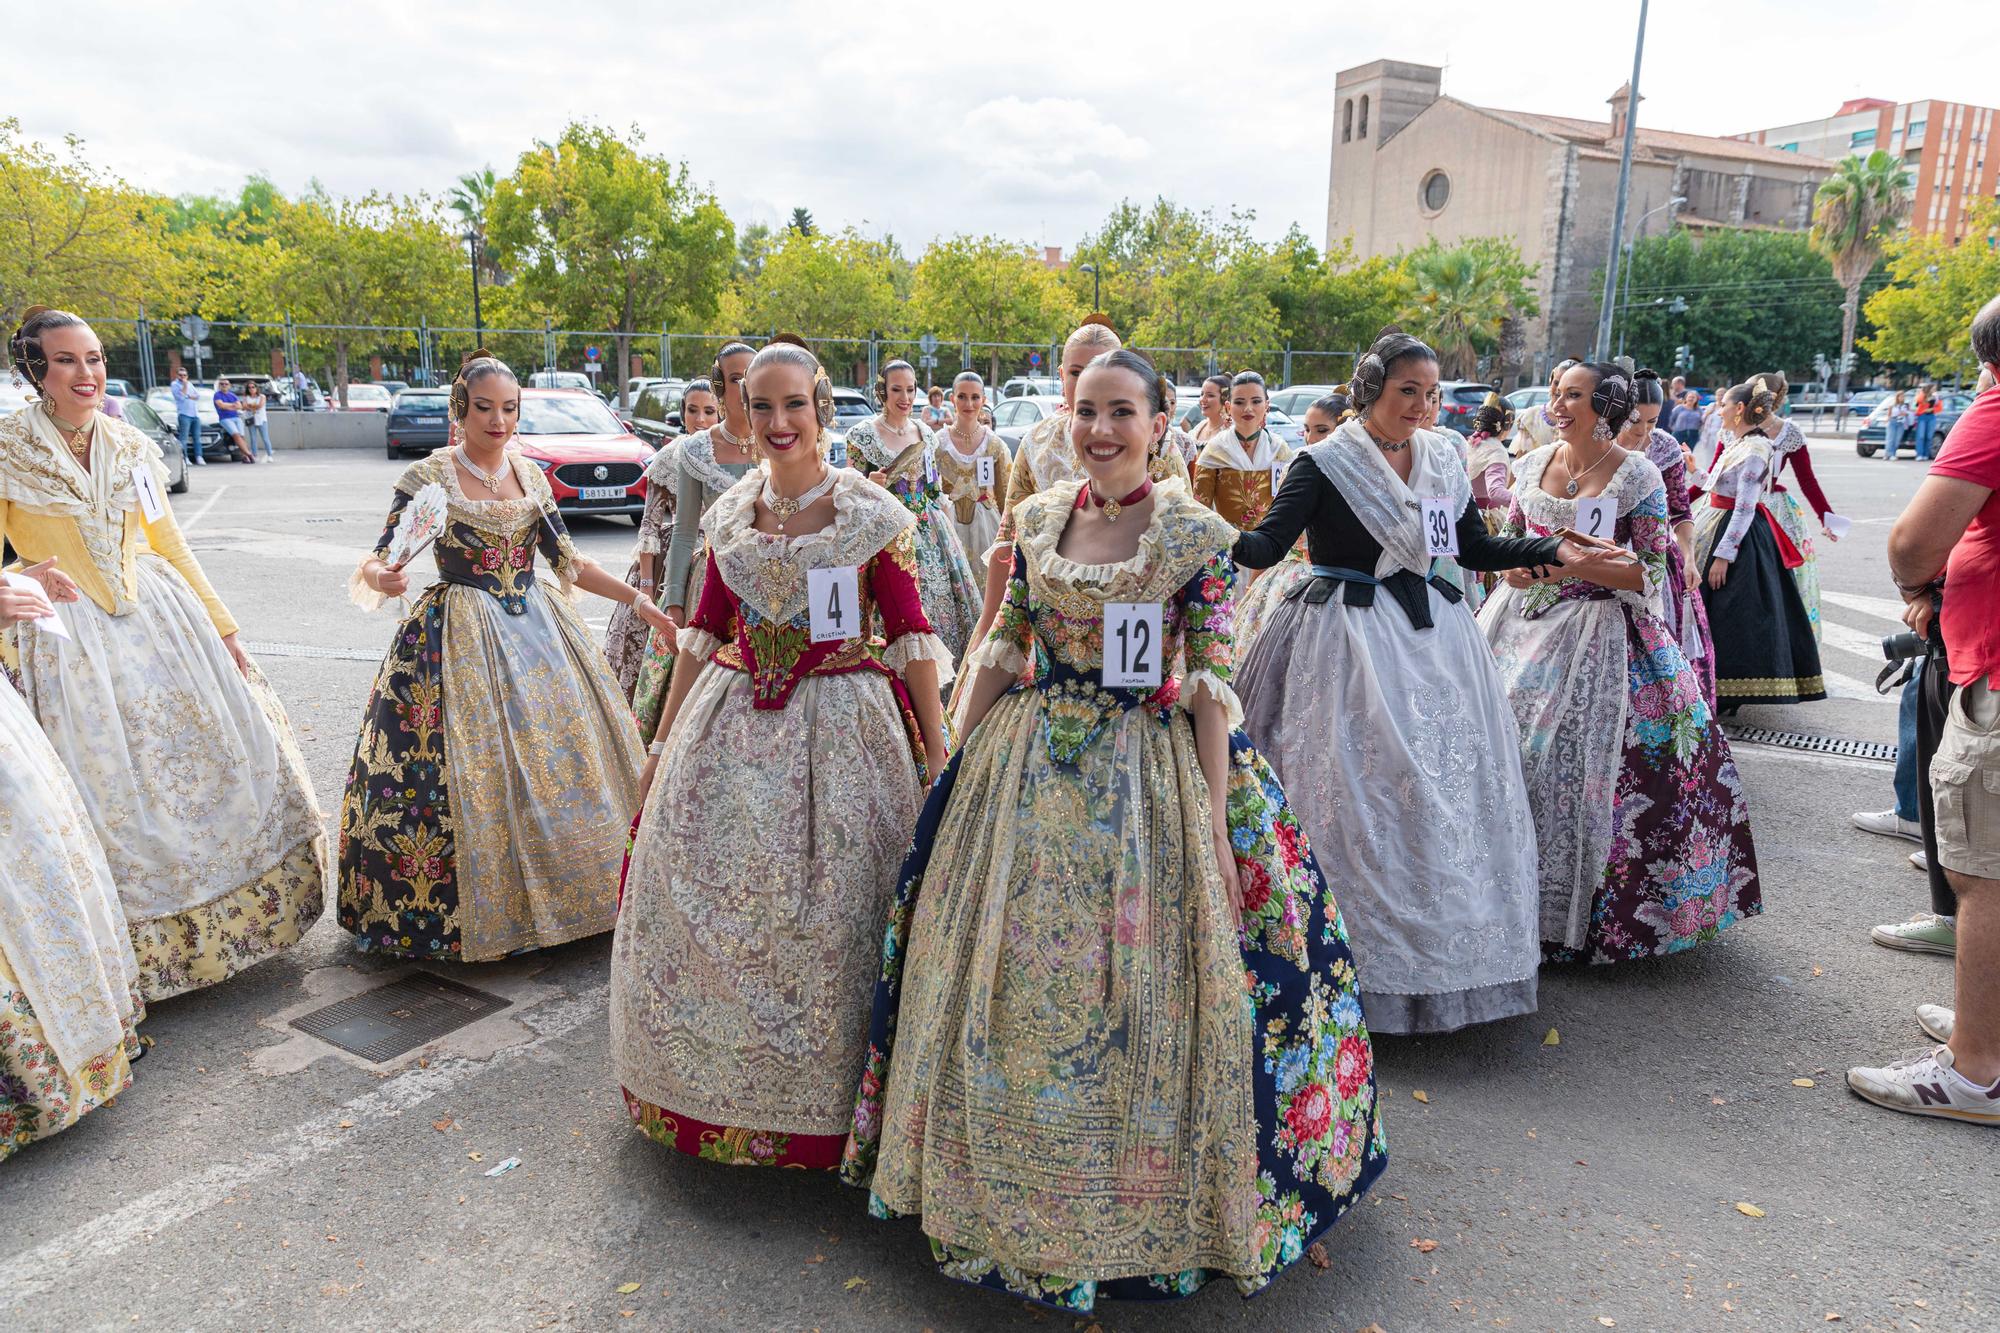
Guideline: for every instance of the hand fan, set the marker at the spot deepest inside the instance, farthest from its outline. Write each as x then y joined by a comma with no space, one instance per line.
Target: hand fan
422,521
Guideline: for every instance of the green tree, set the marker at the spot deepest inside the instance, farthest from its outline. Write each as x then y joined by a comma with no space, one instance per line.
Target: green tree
1855,212
802,221
604,237
989,290
77,237
471,199
824,286
1462,296
1334,301
1756,300
351,265
753,242
1934,289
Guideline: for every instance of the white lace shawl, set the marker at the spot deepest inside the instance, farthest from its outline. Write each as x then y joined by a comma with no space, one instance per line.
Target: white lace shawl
1387,505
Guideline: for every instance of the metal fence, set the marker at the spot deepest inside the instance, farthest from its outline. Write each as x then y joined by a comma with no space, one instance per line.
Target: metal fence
146,351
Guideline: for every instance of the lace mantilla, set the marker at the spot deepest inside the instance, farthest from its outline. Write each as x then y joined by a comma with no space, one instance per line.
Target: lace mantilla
767,571
38,475
696,458
1387,505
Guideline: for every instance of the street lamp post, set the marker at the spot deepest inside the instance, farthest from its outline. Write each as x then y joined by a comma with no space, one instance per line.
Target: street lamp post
1637,232
1096,287
478,325
1624,191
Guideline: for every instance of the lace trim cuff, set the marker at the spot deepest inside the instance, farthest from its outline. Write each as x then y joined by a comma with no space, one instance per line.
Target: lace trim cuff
1000,654
1198,683
648,544
697,641
358,591
909,648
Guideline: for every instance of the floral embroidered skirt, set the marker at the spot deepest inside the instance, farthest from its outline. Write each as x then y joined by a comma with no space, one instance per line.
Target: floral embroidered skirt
1089,1075
495,775
196,788
1254,607
951,598
760,876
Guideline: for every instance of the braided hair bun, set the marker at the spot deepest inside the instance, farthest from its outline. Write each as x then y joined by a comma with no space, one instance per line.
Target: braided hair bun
479,364
1757,399
24,348
1614,397
1371,372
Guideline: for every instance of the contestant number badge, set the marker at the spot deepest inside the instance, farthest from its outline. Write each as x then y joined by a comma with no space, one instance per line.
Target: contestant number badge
151,503
1440,527
1132,643
1597,517
984,470
834,596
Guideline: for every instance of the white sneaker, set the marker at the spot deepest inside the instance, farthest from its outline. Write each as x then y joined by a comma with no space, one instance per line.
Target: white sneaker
1888,824
1936,1020
1917,860
1926,1084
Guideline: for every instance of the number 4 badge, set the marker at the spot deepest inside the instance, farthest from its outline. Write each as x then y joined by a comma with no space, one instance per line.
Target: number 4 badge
834,598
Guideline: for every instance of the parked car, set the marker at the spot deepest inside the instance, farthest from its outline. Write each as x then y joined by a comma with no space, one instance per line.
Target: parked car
561,379
369,398
393,386
419,421
850,408
142,417
1459,402
1874,432
656,413
1295,399
120,389
594,465
1032,386
636,386
213,445
1864,400
1287,428
1535,395
1015,417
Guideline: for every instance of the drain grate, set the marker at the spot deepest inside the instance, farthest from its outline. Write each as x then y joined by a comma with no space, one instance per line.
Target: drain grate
1845,746
390,1020
310,650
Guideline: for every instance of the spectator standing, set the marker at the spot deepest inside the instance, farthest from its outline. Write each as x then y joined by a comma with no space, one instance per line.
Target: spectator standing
936,415
301,389
1949,540
187,418
1900,417
229,416
1926,410
1685,424
1676,388
257,420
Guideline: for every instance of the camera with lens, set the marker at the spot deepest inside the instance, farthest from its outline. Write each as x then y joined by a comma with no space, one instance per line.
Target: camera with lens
1902,647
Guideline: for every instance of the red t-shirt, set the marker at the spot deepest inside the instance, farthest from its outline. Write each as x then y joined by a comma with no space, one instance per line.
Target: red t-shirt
1972,575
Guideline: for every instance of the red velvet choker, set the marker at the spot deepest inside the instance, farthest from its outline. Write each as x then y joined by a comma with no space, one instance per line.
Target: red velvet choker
1113,508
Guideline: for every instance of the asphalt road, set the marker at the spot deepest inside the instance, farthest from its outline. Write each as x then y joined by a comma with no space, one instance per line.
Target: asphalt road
256,1178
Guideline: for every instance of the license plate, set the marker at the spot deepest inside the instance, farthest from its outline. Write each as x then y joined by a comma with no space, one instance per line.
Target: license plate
427,421
600,493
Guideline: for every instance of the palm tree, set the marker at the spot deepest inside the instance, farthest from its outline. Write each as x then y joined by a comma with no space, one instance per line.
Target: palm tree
1459,303
1855,211
470,199
802,221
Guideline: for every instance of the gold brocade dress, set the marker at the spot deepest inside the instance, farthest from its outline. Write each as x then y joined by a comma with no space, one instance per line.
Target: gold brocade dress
975,509
497,768
194,784
1089,1074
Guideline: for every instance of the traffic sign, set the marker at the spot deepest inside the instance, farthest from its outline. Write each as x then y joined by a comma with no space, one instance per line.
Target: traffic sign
928,343
194,328
590,352
1034,358
927,362
591,368
190,351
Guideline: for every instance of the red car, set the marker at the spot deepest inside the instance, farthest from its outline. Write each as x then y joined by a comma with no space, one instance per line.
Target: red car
593,463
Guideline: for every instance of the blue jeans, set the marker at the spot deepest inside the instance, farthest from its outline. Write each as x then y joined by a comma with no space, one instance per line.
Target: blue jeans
258,430
1926,427
1895,438
189,431
1906,746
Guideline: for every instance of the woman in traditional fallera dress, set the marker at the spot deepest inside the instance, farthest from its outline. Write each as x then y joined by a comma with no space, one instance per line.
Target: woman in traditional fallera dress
1255,603
1764,646
497,768
1789,449
1214,409
1640,818
182,754
1378,704
968,451
899,451
1680,599
797,751
1240,468
625,637
1117,1048
69,985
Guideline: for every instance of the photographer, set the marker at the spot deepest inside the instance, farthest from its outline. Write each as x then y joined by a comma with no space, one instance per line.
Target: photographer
1948,542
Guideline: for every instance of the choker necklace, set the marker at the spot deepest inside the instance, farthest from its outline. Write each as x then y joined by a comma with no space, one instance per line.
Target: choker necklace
785,508
491,480
1569,458
1245,440
721,428
1383,444
1113,508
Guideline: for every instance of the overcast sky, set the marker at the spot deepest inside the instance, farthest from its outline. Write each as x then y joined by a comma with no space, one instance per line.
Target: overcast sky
915,119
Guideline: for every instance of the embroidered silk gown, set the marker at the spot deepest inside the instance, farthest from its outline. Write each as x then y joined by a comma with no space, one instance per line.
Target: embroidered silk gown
1238,482
975,509
69,984
194,786
767,853
626,635
497,768
1788,447
1640,817
1377,702
1765,648
1090,1075
1047,458
944,574
1680,600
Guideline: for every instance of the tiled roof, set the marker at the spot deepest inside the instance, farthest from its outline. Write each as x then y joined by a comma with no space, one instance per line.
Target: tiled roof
1657,145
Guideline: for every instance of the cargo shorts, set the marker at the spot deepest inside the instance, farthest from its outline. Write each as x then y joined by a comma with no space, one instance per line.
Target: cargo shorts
1965,783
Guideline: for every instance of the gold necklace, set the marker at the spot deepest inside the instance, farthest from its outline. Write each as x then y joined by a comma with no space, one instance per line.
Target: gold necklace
78,440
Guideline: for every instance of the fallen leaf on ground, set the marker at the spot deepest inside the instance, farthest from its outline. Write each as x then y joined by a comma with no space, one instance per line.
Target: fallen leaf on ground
1531,1133
1816,970
854,1284
347,1124
1317,1253
1607,1321
1922,1304
442,1125
476,1156
627,1288
1804,1083
1422,1246
1369,1328
1832,1318
1717,1101
331,1236
817,1259
1749,1210
1422,1096
1553,1039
